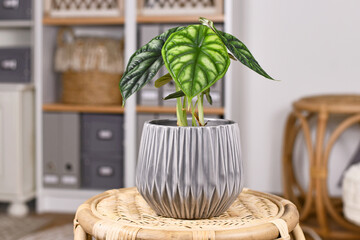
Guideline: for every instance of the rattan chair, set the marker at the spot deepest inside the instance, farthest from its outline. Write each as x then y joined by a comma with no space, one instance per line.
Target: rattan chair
316,200
124,214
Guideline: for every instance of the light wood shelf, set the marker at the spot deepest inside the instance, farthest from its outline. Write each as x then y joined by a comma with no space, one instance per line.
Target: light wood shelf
120,20
60,107
83,21
162,109
178,19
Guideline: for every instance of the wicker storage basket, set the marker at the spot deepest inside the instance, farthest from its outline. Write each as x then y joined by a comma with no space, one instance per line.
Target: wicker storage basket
84,8
180,7
90,88
91,69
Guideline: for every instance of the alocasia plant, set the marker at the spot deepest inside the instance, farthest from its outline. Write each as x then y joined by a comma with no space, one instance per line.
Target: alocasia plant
196,57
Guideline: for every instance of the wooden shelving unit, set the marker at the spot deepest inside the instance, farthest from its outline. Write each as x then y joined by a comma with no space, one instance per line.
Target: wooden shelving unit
83,21
60,107
67,200
177,19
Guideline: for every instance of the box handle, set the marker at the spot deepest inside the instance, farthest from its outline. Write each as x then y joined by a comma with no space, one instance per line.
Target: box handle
105,134
11,4
105,171
9,64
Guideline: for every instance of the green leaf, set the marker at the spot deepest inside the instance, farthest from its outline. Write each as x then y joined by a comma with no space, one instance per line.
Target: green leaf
232,57
177,94
196,58
144,64
237,48
163,80
208,96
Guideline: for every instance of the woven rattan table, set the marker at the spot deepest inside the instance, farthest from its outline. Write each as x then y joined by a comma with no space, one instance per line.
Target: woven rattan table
124,214
315,199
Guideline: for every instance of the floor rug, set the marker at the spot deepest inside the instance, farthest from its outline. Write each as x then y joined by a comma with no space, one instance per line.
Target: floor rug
64,232
12,228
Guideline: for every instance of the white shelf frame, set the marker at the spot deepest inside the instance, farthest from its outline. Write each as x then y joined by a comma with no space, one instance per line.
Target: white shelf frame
16,23
64,200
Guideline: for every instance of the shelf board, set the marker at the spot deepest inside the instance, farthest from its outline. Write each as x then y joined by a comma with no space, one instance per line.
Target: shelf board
83,21
162,109
61,107
16,23
178,19
120,20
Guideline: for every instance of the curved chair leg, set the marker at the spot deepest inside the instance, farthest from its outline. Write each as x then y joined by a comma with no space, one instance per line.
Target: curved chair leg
298,233
80,234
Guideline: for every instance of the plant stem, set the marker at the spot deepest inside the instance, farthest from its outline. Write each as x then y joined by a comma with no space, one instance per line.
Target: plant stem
184,114
192,106
181,117
201,109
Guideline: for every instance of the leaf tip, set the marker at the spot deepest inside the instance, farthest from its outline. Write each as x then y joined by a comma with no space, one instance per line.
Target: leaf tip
206,22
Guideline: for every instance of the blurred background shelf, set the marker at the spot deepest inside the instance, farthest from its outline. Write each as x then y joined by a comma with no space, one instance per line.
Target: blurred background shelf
178,19
16,23
61,107
121,20
135,26
84,21
170,110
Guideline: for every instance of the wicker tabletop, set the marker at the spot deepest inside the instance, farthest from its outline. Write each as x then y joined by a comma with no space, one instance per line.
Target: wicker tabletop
124,214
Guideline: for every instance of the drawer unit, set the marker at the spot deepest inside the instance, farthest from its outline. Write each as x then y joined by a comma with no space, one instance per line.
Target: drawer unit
15,9
216,92
141,119
102,172
61,150
15,66
102,134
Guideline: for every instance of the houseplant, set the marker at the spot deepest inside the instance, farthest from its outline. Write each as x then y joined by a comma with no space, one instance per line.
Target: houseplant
188,168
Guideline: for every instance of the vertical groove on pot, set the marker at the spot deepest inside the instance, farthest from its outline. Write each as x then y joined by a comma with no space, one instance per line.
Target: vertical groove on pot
189,172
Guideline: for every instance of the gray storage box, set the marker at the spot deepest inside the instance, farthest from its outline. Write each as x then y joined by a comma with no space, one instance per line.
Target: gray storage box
216,92
102,172
149,95
102,134
15,9
15,65
61,150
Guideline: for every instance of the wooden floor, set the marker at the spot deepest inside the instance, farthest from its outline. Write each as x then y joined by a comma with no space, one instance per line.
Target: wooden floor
55,219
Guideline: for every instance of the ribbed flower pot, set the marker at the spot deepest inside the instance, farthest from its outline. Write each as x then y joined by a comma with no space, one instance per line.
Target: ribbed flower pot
189,172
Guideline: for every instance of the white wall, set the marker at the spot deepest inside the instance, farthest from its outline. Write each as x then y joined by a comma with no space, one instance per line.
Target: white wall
312,47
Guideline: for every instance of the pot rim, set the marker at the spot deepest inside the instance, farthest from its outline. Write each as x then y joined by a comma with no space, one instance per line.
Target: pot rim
162,123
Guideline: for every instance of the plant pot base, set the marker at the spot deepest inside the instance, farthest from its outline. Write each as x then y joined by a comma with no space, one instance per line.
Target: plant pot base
201,207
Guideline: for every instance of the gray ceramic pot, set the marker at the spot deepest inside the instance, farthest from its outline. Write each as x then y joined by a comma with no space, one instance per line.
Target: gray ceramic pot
190,172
